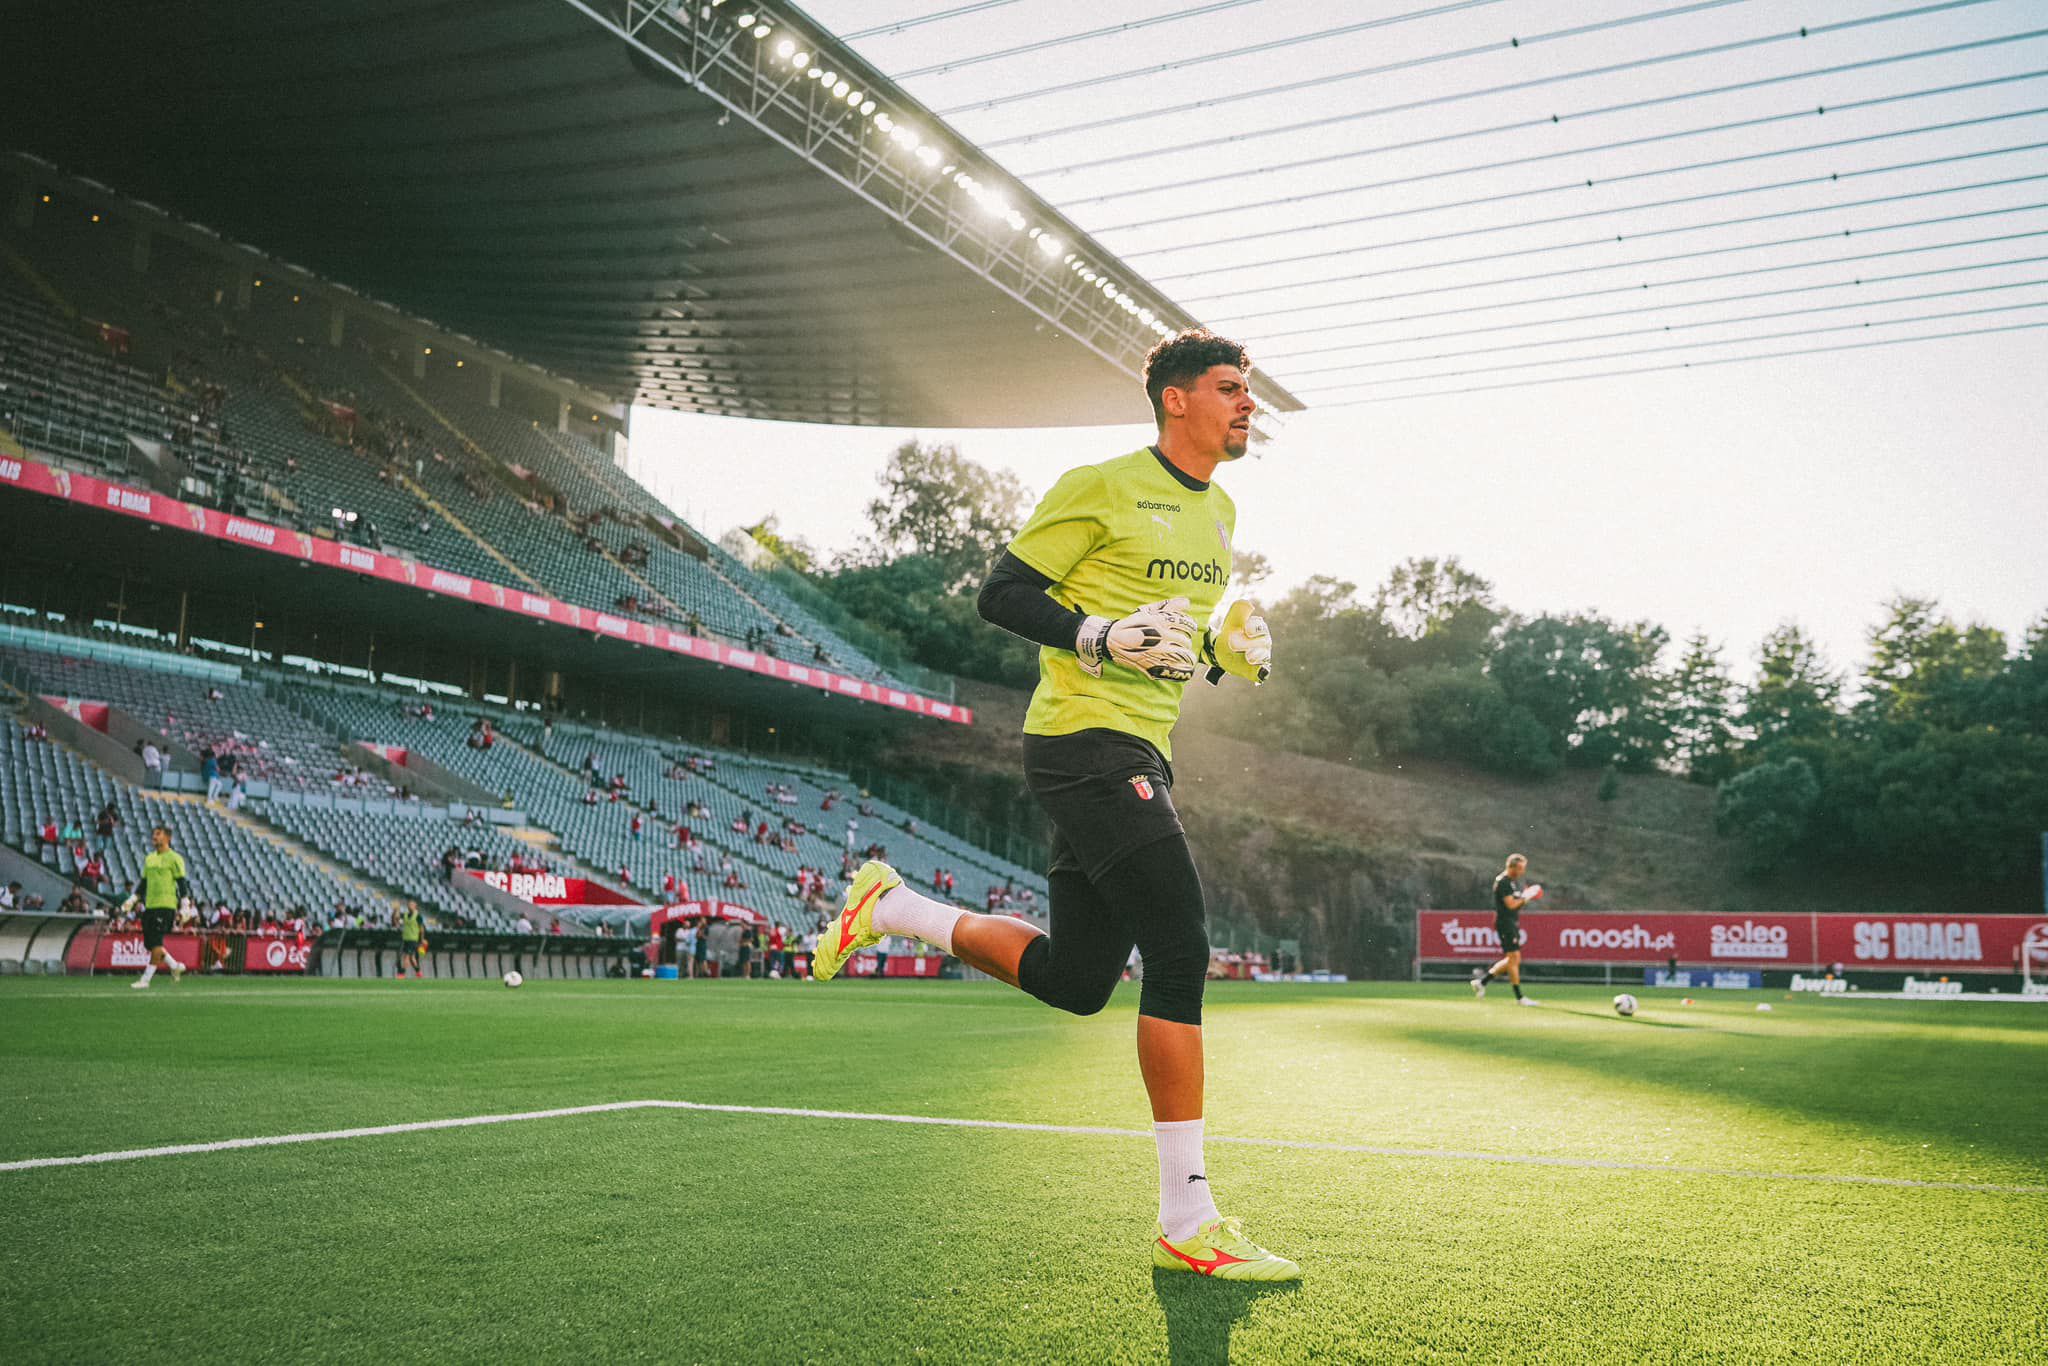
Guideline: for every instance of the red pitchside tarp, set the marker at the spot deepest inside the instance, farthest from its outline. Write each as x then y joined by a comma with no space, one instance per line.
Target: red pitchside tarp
1873,941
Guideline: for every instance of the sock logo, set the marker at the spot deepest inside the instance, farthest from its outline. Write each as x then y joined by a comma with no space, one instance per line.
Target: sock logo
1199,1177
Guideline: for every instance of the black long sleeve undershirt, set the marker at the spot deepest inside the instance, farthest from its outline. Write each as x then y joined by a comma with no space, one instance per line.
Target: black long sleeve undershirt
1015,599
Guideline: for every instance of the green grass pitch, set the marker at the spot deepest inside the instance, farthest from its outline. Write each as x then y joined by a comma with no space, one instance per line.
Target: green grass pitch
690,1236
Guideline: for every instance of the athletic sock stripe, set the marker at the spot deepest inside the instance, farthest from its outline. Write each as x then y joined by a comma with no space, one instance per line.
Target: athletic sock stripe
1015,1126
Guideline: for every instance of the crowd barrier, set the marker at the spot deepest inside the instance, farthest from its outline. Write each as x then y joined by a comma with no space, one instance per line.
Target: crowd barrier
470,953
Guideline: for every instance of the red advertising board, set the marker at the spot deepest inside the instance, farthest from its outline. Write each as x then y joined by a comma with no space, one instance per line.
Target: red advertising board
122,951
551,889
275,955
696,910
1947,943
150,506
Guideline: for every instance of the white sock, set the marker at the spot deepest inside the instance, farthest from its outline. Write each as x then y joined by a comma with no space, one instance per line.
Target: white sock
902,911
148,972
1185,1203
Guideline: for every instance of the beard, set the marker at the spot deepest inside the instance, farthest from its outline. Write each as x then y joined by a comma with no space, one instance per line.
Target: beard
1235,445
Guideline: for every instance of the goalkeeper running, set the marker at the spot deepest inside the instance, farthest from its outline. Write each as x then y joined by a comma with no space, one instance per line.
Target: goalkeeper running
1112,576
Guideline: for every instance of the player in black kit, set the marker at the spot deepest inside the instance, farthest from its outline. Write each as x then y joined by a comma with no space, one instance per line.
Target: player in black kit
1509,896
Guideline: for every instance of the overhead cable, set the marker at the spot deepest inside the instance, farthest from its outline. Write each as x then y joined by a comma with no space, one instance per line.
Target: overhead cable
1524,125
1691,346
1655,329
1692,365
1647,139
1612,239
919,21
1714,163
1271,359
1534,82
1634,287
1068,39
1250,50
1705,196
1646,261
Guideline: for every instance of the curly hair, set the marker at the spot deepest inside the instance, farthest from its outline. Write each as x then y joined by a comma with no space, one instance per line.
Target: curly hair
1178,361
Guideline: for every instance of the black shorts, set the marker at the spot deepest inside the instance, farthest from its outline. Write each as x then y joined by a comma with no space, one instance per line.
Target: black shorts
408,948
156,924
1108,794
1509,928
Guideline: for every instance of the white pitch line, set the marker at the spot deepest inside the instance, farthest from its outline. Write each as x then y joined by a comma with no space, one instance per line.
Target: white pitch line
1014,1126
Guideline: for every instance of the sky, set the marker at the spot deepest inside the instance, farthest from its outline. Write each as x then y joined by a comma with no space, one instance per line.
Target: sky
1725,497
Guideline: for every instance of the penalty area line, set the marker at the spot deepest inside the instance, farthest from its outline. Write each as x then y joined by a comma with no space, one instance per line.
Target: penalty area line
1014,1126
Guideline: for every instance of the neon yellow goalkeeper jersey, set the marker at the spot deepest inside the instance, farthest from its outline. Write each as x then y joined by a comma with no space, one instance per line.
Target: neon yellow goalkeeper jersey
1113,537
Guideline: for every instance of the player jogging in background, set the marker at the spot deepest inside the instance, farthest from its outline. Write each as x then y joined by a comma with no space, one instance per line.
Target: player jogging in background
1509,896
1111,576
411,929
161,888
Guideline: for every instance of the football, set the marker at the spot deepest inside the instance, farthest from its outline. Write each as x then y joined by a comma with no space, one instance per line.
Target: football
513,979
1624,1004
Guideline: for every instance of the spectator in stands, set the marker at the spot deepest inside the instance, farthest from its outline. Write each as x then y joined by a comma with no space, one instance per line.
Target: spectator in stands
524,926
152,763
48,833
209,769
94,873
10,895
215,695
106,822
74,903
555,925
734,882
636,825
36,731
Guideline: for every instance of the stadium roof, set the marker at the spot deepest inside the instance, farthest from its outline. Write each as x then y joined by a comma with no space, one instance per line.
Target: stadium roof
655,201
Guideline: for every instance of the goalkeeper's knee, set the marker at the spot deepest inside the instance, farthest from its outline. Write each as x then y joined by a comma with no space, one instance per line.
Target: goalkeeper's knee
1164,893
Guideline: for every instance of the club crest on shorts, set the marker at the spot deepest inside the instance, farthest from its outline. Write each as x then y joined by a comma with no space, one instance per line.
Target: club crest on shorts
1141,785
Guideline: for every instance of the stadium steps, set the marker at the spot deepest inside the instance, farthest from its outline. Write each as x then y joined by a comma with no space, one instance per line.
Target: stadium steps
368,887
34,278
739,590
440,509
740,855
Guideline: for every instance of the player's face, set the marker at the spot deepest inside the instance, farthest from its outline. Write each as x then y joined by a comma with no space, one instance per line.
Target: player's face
1517,868
1216,411
159,840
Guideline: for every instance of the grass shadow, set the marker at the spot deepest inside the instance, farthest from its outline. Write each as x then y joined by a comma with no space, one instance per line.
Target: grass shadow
1609,1017
1200,1312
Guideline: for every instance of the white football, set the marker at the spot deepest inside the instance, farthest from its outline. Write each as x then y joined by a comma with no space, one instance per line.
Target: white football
513,979
1624,1004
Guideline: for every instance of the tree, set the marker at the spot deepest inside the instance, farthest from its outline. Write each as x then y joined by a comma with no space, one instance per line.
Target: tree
1440,611
1767,808
1700,706
1795,692
793,551
939,505
1923,669
1593,683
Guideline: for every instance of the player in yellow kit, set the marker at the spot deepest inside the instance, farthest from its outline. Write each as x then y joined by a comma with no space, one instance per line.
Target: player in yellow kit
161,887
1111,577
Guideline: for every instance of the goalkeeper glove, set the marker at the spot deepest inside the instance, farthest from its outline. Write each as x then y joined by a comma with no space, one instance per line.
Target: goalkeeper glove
1157,639
1240,644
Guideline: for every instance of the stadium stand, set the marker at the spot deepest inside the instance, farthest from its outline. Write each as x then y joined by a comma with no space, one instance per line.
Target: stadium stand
43,784
269,743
